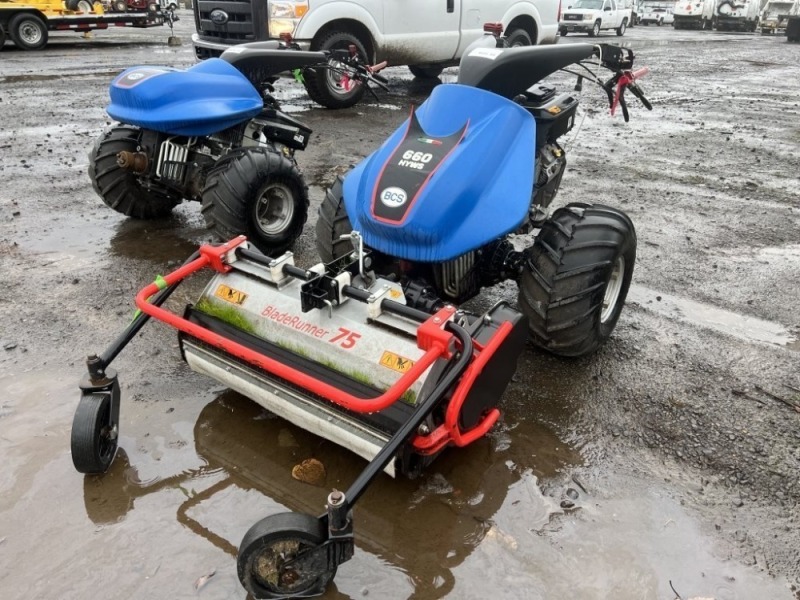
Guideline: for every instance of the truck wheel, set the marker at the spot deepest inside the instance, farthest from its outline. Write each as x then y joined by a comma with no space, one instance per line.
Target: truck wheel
2,36
28,32
120,6
119,188
332,223
79,5
518,37
576,277
595,30
426,71
329,88
659,22
621,28
563,32
259,193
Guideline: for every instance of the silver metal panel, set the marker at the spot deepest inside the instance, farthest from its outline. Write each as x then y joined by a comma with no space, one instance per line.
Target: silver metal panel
287,403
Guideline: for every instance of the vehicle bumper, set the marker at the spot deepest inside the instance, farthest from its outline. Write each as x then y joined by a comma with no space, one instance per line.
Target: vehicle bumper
575,26
204,49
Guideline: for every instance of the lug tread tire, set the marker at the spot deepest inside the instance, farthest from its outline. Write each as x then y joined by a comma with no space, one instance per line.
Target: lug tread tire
562,286
316,81
234,183
120,189
333,222
84,438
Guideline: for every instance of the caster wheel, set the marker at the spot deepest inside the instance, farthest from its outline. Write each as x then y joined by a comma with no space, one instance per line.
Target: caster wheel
94,434
275,541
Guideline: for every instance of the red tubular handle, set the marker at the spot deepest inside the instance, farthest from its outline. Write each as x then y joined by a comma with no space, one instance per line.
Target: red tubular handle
435,343
450,431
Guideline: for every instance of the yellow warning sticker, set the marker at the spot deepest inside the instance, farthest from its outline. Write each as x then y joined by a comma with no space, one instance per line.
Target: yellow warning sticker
395,294
230,295
396,362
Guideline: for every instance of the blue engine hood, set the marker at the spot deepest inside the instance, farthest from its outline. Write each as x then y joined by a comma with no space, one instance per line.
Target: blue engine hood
476,190
203,99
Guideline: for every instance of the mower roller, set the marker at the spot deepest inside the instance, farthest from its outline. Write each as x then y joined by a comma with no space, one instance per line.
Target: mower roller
371,348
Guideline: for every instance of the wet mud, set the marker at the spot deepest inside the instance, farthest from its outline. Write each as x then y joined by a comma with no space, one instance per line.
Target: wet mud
662,465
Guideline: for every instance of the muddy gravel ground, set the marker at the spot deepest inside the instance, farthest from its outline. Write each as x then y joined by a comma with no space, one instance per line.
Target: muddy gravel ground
664,465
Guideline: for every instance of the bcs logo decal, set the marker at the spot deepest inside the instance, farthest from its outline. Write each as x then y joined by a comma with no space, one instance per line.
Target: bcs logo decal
393,197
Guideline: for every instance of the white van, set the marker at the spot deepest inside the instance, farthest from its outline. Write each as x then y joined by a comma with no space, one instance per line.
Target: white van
427,35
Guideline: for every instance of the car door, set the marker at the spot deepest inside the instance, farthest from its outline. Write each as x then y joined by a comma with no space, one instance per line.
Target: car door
421,31
607,15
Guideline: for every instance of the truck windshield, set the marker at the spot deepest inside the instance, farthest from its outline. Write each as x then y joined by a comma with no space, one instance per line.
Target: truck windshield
591,4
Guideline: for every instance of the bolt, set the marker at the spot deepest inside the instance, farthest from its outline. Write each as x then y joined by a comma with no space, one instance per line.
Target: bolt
335,497
371,299
437,320
423,430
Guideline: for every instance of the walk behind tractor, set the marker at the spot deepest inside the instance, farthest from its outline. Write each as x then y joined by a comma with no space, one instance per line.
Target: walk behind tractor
370,348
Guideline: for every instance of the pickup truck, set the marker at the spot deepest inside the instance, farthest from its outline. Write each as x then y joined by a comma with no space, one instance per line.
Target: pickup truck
427,35
657,16
593,16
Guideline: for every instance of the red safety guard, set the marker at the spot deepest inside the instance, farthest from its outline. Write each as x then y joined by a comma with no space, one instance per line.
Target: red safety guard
431,337
449,431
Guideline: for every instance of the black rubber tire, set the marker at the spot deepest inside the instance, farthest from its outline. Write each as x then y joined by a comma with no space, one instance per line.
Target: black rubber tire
2,36
426,71
71,4
567,272
318,82
94,437
258,543
563,32
621,28
595,30
121,189
234,188
28,32
660,22
332,223
518,37
85,6
120,6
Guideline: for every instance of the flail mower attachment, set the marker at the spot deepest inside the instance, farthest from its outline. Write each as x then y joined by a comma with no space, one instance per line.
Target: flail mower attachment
351,362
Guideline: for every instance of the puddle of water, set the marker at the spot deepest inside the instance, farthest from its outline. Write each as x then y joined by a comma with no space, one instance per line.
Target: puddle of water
476,524
704,315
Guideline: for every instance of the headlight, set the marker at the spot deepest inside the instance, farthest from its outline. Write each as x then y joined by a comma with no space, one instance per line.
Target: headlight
284,15
288,10
279,26
588,17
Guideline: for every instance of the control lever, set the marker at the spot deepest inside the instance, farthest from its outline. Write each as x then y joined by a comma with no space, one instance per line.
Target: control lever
625,80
